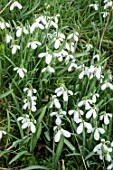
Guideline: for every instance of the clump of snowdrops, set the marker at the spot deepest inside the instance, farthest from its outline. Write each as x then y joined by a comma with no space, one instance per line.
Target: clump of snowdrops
56,89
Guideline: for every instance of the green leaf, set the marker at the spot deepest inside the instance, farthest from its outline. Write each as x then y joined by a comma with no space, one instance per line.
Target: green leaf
59,150
42,115
5,94
18,156
35,138
89,155
69,145
34,167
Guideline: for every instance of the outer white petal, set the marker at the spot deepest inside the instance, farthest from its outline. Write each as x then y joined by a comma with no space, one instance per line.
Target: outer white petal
66,133
21,73
89,113
25,125
103,87
0,134
57,44
81,103
70,36
48,58
50,69
42,55
19,32
57,136
33,45
65,96
70,92
71,112
101,130
88,125
57,104
81,75
106,120
43,70
33,108
108,157
110,166
32,127
75,37
58,121
14,50
80,128
96,135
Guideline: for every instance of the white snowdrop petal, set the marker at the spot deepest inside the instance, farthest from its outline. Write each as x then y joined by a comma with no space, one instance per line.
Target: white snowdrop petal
48,58
66,133
103,87
25,125
57,136
65,96
57,44
80,128
21,73
106,120
33,128
110,166
101,130
96,135
58,121
41,55
89,113
71,112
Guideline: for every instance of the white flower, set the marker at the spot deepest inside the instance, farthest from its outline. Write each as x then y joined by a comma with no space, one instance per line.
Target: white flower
3,25
94,97
8,38
73,35
72,66
108,4
48,69
62,91
95,6
88,47
58,39
105,14
20,30
81,126
25,118
97,133
91,112
60,131
110,166
1,133
106,117
97,72
14,48
85,102
30,125
59,115
21,71
97,57
60,55
107,85
29,91
77,114
55,102
15,4
47,55
30,103
84,72
34,44
70,47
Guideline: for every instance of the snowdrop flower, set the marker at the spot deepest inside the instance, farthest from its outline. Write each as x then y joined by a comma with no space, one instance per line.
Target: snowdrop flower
30,103
97,133
84,72
59,132
30,125
97,72
55,102
29,91
27,123
86,103
73,35
108,4
60,55
105,14
8,38
47,55
1,133
59,115
70,58
110,166
107,85
72,67
25,118
83,125
94,97
97,57
92,111
106,117
77,114
88,47
20,30
58,38
62,91
52,21
21,71
15,4
95,6
48,69
70,47
3,25
34,44
15,48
